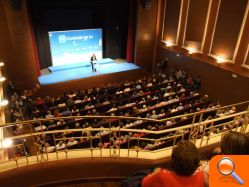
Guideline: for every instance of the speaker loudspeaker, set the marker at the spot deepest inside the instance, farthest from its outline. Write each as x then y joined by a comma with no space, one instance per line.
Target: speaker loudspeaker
146,4
16,4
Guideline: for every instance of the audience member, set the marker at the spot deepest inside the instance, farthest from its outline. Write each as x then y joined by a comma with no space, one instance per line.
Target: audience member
234,143
185,162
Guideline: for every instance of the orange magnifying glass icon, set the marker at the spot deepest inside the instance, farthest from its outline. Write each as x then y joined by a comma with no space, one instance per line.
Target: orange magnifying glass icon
226,167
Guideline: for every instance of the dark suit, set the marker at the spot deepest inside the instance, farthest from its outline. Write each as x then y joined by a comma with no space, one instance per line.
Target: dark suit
93,58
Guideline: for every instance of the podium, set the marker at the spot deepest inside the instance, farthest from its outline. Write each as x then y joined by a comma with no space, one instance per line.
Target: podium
96,65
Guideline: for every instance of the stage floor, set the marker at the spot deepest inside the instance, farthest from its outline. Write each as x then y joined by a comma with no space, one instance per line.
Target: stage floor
82,72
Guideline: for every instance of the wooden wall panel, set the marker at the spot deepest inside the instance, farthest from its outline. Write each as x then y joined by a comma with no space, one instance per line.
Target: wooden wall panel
218,83
20,67
210,26
145,35
171,20
228,26
226,33
196,23
4,35
244,40
182,22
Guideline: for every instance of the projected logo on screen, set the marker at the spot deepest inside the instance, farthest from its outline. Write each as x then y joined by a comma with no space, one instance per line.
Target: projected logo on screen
62,39
75,46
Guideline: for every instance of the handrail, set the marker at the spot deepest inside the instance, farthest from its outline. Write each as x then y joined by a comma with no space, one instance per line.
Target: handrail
124,130
117,141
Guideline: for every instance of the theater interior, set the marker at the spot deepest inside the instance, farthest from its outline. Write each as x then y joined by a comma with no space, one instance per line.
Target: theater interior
185,77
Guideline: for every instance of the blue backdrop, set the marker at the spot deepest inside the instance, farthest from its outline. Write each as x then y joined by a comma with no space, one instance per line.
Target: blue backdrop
75,46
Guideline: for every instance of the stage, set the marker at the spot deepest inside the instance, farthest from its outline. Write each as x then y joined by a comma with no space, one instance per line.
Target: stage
59,74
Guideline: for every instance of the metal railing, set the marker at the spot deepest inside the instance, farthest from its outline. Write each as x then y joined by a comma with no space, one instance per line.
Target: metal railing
116,136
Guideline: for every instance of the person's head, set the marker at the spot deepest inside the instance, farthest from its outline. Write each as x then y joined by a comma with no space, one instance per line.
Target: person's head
185,158
235,143
71,140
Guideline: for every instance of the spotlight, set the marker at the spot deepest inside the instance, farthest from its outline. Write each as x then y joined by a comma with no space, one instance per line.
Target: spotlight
4,102
7,143
2,79
1,64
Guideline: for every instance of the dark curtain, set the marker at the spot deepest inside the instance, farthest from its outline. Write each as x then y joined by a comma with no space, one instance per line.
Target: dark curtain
53,15
131,32
37,63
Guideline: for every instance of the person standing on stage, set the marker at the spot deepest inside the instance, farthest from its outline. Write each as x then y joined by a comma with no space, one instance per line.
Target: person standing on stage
93,58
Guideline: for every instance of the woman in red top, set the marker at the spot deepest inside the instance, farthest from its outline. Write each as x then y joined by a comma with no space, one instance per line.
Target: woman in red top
185,161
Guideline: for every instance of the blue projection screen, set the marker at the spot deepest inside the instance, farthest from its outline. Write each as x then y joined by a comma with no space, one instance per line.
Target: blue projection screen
75,46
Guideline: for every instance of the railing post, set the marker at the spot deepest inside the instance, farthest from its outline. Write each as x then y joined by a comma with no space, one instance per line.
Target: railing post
245,122
208,137
174,143
91,144
193,135
56,151
119,140
193,120
119,135
66,150
183,133
110,133
25,151
203,133
32,137
201,116
137,149
16,160
128,140
101,144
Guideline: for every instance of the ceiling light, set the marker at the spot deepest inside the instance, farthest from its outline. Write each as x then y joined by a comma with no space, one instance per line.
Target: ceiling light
7,143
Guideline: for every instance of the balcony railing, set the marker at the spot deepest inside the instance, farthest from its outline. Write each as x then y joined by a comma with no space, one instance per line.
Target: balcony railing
115,136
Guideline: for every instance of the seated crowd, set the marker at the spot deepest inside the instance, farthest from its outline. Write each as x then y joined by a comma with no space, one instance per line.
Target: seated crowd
155,97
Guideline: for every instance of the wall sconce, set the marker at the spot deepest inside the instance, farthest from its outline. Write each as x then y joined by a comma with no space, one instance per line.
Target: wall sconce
2,79
220,59
7,143
4,102
168,43
191,50
1,64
